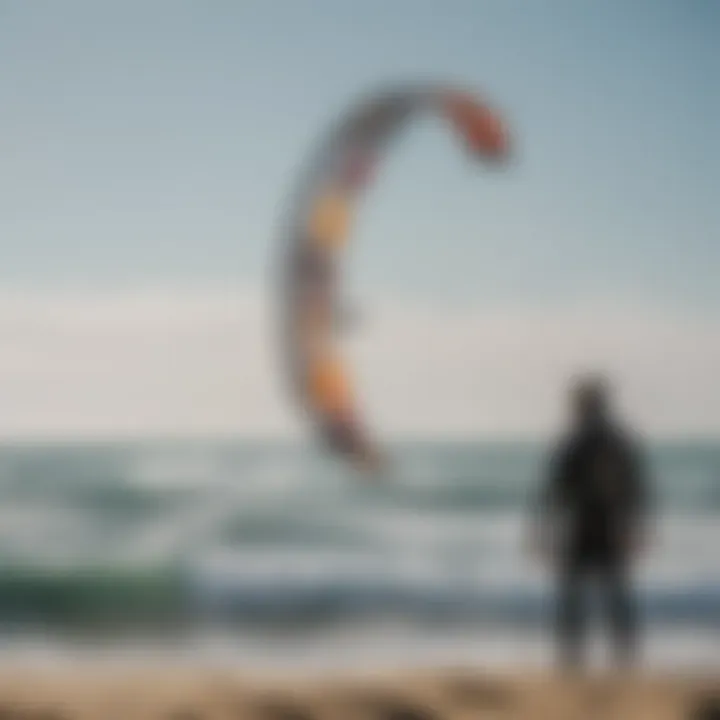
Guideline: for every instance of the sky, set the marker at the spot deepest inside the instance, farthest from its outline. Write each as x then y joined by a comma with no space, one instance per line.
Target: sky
148,150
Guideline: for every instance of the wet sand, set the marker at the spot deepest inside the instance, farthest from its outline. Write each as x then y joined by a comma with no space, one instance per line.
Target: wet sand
182,694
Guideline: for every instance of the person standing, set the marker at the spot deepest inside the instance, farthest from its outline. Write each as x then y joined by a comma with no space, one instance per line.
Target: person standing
592,521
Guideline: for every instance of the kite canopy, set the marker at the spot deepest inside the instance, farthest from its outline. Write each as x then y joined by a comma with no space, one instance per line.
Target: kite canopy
320,226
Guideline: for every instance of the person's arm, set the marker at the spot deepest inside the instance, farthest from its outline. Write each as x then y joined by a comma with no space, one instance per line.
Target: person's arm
640,500
546,502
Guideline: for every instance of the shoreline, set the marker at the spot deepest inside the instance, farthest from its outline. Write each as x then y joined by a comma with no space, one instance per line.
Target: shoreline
351,649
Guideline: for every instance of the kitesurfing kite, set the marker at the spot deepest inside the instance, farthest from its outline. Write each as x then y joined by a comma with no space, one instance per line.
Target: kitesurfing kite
319,227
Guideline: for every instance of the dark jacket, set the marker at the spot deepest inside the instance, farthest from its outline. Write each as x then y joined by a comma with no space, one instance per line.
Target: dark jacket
596,494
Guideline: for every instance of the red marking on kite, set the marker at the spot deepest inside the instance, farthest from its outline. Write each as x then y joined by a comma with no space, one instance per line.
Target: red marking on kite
358,169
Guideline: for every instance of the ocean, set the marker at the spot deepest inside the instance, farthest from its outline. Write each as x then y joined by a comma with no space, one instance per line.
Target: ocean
270,552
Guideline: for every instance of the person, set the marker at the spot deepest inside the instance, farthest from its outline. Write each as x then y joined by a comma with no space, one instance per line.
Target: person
592,521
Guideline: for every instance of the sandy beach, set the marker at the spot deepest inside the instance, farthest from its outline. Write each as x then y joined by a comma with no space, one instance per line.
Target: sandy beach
183,694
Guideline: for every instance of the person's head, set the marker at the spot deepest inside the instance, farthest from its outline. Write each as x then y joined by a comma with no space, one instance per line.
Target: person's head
590,399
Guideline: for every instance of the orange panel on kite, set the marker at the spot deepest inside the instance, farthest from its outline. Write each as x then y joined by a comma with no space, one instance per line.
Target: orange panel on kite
330,220
329,385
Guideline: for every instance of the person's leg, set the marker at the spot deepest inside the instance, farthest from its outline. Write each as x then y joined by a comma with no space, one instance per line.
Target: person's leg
621,613
570,620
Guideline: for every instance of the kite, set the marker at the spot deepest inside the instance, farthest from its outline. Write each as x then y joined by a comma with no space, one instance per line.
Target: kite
318,230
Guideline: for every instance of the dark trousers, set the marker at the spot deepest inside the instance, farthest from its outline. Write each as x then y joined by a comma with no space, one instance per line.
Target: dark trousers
611,579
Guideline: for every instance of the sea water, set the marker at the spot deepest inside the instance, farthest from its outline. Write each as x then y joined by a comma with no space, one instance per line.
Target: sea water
270,552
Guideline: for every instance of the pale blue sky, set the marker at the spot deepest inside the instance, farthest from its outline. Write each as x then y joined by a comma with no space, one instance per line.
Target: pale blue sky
145,142
148,147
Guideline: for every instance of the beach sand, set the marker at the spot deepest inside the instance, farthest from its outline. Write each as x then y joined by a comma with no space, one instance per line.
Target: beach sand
183,694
